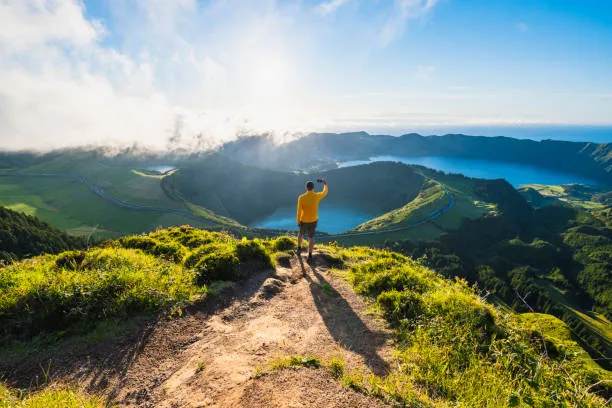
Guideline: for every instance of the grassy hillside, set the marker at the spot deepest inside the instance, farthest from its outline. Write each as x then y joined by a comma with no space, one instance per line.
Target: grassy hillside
431,198
453,347
137,274
457,348
23,236
586,197
556,258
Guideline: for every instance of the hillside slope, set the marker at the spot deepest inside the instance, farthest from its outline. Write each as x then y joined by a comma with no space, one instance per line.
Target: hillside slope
357,327
23,236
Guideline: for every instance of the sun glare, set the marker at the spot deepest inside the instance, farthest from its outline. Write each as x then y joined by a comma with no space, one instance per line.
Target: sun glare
270,79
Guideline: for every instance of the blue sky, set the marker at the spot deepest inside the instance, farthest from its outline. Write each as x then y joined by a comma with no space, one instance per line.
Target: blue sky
143,70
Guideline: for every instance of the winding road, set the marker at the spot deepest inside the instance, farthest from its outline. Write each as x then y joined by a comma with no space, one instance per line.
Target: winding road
103,194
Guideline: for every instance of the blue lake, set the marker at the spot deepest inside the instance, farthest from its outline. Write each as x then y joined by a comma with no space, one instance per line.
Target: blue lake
333,218
515,173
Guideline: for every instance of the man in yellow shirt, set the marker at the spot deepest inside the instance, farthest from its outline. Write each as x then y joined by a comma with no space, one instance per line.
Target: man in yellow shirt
308,215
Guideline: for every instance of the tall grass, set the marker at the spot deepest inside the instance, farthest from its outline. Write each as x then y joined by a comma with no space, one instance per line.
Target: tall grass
77,289
48,398
455,349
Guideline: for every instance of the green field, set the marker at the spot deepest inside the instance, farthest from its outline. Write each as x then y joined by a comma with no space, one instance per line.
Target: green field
120,178
72,206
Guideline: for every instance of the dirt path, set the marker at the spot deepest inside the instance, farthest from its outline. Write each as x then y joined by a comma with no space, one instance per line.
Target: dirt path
209,362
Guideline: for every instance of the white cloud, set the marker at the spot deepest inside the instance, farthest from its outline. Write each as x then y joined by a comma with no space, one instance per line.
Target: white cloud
28,22
404,10
330,7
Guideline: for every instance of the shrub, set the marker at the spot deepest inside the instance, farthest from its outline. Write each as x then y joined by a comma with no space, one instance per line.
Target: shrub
253,251
194,257
112,282
400,307
283,244
217,266
72,260
171,251
139,242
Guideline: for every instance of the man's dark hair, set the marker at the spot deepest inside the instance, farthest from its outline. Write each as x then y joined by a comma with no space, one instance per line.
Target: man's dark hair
310,185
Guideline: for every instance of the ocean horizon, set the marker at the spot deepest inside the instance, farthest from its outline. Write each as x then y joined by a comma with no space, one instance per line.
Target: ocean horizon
570,133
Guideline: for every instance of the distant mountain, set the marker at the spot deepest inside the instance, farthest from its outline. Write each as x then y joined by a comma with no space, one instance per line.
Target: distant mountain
22,236
325,149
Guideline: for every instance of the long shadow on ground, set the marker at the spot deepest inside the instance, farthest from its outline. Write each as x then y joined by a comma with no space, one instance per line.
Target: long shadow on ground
343,323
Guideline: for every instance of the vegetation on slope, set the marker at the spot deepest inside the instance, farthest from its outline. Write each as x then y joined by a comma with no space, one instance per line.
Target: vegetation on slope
456,349
77,289
23,236
556,258
431,198
576,195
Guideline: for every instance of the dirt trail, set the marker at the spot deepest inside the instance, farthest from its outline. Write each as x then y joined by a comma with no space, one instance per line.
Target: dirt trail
208,357
300,309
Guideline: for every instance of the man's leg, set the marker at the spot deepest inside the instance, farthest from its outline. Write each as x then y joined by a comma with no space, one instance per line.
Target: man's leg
310,244
299,246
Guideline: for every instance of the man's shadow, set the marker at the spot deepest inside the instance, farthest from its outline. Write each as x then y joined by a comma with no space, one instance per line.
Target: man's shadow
344,325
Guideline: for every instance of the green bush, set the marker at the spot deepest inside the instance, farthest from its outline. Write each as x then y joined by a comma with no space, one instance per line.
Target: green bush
284,244
72,260
217,266
399,307
194,257
253,251
171,251
139,242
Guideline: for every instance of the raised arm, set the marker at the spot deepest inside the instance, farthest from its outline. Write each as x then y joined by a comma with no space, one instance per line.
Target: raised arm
323,193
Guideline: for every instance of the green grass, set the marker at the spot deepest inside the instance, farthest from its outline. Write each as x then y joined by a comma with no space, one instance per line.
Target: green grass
77,290
596,322
72,206
564,194
48,397
456,349
432,197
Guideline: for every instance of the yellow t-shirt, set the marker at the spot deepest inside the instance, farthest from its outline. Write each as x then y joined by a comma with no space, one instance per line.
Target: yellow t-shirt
308,205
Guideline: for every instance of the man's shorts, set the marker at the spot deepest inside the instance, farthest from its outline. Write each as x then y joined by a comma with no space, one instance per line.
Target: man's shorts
308,228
